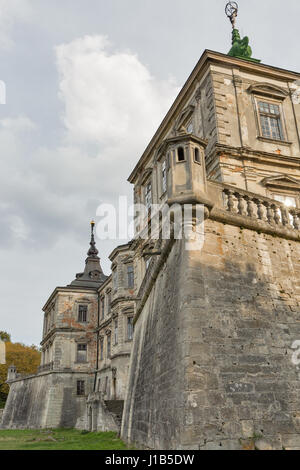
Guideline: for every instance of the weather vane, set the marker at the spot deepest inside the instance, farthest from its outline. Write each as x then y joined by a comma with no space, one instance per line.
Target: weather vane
231,11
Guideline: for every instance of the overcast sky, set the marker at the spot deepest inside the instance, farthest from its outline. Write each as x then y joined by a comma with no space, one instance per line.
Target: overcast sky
88,82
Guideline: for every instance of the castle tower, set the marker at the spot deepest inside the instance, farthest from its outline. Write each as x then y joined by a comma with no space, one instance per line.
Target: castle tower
213,360
56,396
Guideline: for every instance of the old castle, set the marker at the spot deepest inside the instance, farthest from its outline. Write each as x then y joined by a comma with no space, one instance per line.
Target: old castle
191,349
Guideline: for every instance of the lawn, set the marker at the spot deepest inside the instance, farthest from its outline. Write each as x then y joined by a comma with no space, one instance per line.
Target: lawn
59,439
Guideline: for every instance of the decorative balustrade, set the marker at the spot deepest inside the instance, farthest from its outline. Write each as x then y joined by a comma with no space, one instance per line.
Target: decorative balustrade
45,367
261,208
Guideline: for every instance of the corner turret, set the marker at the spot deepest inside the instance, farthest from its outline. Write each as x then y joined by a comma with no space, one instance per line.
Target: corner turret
11,373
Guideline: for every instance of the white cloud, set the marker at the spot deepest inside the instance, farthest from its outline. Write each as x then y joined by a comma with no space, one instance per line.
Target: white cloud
111,106
110,98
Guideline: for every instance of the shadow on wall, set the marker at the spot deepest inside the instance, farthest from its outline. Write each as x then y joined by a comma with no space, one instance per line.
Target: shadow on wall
215,363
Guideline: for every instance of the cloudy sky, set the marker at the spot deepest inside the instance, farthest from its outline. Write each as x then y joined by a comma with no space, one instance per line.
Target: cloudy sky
88,82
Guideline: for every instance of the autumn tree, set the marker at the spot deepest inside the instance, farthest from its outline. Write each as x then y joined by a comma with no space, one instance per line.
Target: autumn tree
25,358
4,336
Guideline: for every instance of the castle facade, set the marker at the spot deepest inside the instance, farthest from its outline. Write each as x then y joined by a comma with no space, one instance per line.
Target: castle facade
190,348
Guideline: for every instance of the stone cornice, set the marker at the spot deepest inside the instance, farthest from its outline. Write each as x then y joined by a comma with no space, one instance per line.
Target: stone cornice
250,154
68,289
34,376
61,330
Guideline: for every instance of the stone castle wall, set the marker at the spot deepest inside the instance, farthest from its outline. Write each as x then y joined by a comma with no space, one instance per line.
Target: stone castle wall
44,401
212,358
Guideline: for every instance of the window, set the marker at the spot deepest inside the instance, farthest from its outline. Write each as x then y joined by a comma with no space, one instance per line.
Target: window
106,385
180,154
130,276
80,388
164,176
102,307
82,313
99,385
108,302
101,349
115,279
148,196
270,120
129,328
288,201
108,346
197,155
116,331
81,352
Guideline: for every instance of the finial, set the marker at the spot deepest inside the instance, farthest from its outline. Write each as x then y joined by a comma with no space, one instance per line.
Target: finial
93,250
231,11
240,46
92,226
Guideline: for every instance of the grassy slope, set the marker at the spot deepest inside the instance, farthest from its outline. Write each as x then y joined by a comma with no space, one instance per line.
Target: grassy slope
59,439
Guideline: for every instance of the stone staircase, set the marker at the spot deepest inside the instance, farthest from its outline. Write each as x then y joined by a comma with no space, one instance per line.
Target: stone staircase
115,407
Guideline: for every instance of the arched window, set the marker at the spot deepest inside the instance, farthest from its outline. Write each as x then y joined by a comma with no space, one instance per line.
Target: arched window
180,154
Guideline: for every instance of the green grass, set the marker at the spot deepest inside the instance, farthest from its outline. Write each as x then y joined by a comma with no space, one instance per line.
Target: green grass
59,439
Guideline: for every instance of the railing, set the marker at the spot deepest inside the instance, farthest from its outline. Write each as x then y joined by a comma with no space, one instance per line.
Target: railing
45,367
261,208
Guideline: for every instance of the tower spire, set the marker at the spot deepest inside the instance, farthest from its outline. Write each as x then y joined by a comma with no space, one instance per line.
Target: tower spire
93,275
93,252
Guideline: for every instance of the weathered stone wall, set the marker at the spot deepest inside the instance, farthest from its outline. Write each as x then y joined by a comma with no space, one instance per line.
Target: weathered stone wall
154,407
45,401
1,414
212,358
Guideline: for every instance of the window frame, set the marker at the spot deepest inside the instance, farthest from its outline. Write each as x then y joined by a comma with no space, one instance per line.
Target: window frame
272,101
108,346
164,176
115,279
148,201
102,306
86,313
108,301
177,154
80,389
101,349
128,318
130,276
78,360
116,331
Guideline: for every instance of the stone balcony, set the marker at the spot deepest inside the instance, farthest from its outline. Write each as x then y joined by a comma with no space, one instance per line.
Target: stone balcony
249,210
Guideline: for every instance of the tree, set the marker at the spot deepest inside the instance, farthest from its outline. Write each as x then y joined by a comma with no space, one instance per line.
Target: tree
4,336
25,358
